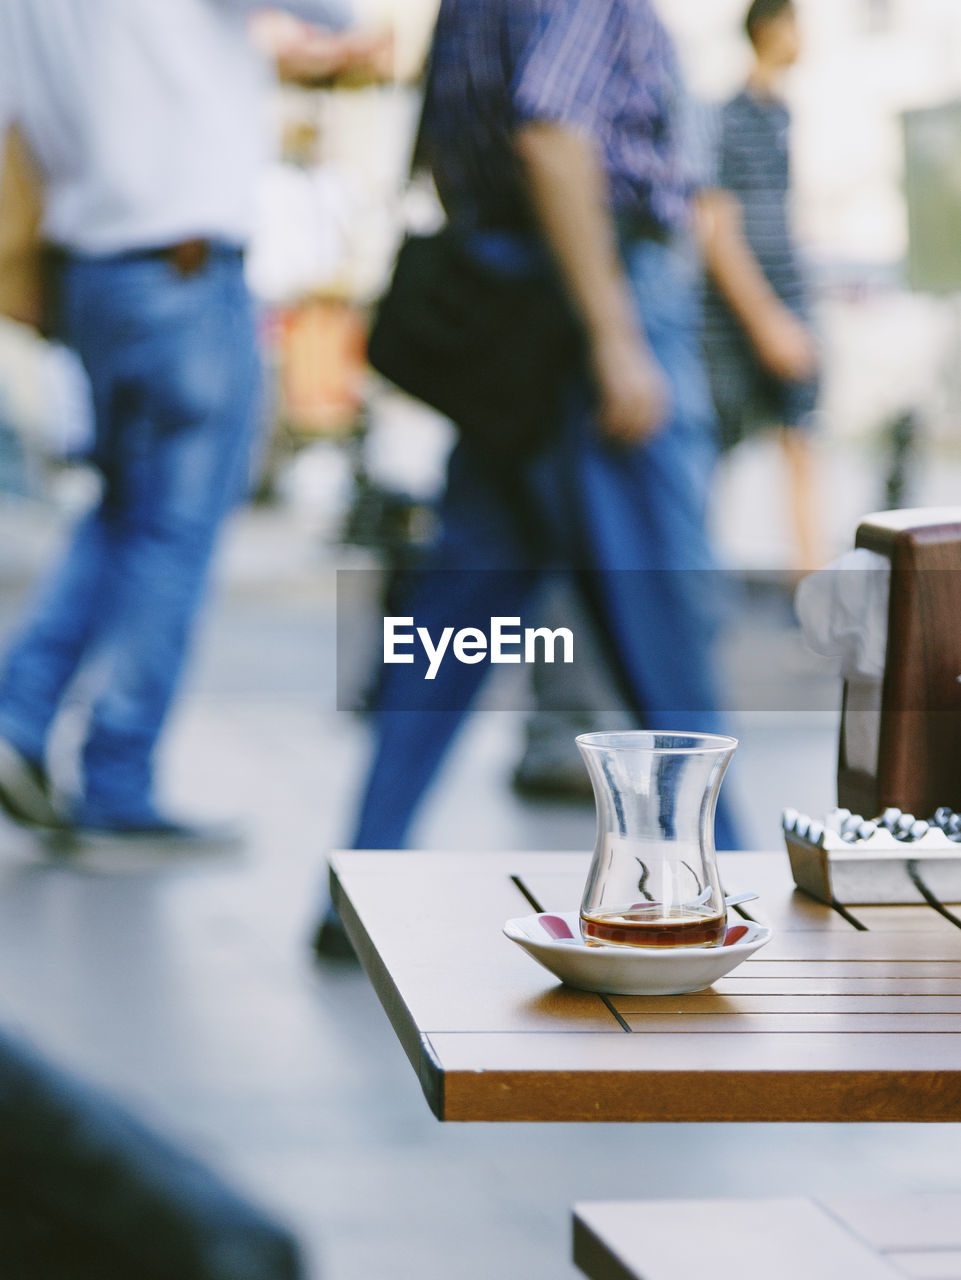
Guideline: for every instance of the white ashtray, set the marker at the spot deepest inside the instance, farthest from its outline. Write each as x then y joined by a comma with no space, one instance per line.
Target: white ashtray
630,971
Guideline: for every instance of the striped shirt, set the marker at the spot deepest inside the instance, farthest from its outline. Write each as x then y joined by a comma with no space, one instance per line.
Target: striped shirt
752,162
606,67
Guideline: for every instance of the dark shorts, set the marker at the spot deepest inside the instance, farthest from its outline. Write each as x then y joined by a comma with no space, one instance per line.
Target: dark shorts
747,398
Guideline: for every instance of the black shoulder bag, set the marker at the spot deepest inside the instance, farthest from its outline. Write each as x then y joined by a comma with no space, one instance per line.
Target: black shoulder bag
493,351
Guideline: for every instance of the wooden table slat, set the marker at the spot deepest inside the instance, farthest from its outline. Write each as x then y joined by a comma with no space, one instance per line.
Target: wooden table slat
897,919
759,967
919,945
743,983
701,1053
715,1002
796,1023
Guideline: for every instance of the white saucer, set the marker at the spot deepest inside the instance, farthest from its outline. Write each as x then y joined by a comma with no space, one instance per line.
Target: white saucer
630,971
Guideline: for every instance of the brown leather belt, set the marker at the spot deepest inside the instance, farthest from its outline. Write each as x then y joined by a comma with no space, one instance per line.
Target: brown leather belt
188,257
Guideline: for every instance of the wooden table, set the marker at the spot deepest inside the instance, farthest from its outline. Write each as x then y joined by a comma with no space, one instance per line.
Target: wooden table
843,1016
831,1238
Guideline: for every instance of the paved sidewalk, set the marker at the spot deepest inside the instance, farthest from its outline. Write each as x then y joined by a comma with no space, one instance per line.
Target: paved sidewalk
189,988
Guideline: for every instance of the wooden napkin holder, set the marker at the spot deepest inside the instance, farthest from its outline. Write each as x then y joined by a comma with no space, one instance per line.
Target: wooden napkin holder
918,733
909,730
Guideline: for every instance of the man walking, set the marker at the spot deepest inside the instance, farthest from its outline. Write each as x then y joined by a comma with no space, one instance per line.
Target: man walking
146,123
556,123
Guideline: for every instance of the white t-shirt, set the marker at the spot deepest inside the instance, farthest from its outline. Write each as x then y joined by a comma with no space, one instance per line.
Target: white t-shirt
146,117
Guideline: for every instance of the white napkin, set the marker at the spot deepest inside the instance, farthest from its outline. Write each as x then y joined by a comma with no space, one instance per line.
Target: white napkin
843,611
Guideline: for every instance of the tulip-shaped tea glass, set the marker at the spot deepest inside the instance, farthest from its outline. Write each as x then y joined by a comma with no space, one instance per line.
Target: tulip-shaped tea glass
653,881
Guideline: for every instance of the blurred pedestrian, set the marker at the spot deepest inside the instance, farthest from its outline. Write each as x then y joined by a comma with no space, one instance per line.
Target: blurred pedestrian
761,353
146,122
555,124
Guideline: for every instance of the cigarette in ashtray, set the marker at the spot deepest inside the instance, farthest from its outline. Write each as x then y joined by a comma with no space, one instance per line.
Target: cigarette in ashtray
890,827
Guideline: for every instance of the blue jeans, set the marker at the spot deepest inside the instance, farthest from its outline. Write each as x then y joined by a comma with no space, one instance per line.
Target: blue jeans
627,522
174,372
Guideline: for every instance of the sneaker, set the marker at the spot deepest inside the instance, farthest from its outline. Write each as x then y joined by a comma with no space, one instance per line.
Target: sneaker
544,778
331,941
25,793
